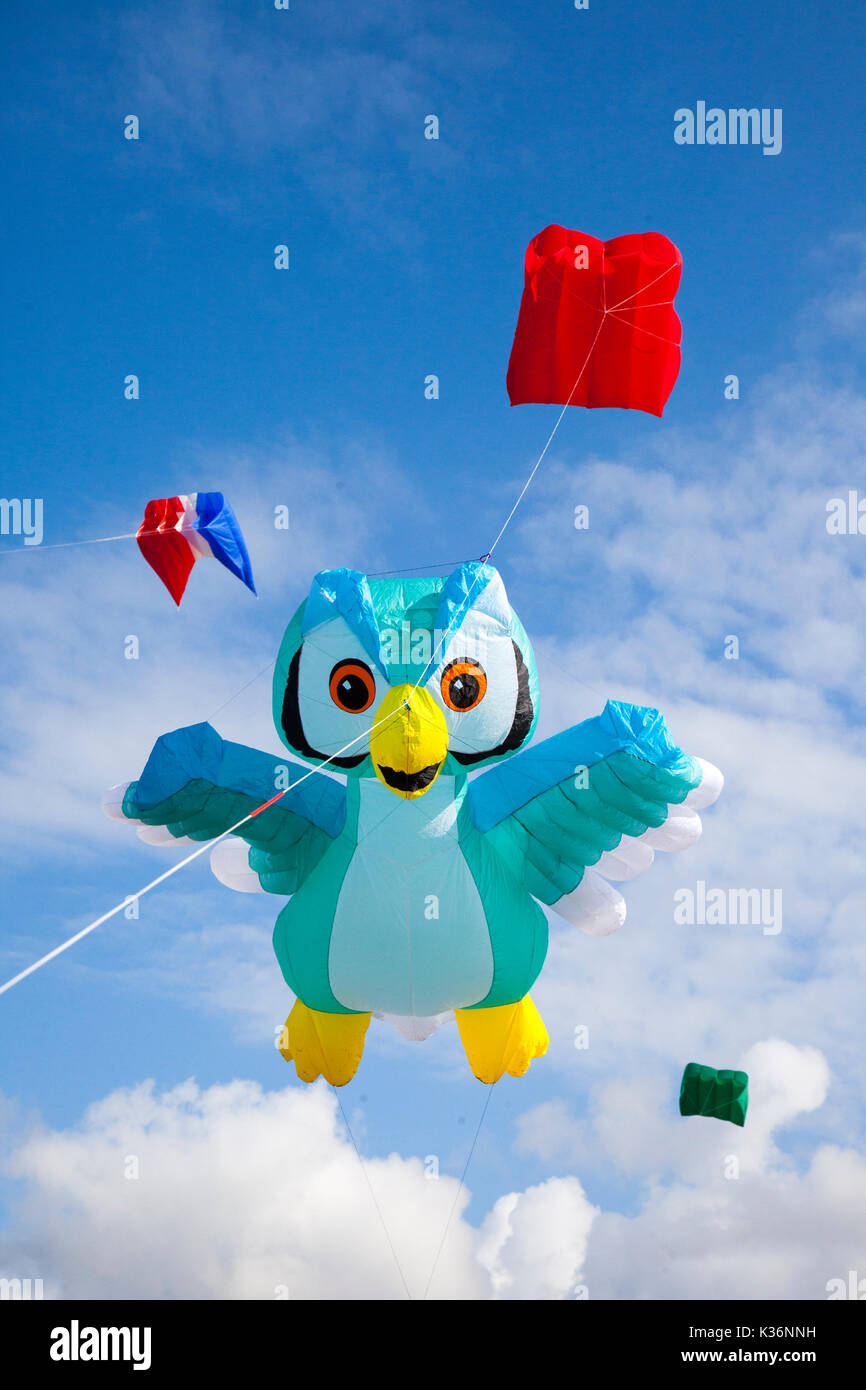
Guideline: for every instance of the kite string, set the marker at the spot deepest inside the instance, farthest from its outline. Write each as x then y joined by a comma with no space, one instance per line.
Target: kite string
469,1156
656,304
487,1100
138,535
64,545
434,565
538,462
639,328
175,868
491,1088
540,459
641,290
372,1194
94,540
606,310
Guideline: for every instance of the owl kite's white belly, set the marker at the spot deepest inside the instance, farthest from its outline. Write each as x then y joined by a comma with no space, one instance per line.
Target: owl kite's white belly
410,933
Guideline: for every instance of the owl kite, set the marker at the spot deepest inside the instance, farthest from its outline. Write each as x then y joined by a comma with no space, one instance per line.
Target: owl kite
413,890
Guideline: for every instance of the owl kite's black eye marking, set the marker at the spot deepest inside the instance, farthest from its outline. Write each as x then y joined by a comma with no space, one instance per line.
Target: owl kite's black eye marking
352,686
463,685
523,718
293,727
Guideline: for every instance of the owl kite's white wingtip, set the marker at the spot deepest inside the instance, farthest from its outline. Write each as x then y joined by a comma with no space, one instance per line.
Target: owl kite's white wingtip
112,804
161,835
710,788
679,830
593,907
230,863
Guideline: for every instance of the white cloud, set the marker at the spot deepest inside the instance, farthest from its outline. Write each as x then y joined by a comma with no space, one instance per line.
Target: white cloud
633,1125
242,1193
784,1081
533,1243
777,1235
724,1213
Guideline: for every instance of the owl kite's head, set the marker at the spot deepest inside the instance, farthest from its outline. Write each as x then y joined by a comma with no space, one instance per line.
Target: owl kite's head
356,650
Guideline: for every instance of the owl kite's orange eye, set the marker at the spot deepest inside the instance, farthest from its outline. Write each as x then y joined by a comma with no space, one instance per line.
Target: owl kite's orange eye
463,685
352,686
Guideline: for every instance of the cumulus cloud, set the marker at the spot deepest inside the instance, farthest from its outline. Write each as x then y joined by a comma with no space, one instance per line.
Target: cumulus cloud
231,1192
780,1236
724,1213
533,1243
785,1082
777,1234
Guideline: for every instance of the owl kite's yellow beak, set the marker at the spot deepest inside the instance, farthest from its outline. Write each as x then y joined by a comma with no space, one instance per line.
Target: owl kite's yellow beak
409,741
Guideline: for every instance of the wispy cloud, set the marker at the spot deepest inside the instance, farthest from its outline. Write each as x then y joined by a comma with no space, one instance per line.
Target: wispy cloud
317,93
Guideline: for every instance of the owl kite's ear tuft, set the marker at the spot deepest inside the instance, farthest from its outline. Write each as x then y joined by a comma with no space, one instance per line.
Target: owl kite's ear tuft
477,588
346,593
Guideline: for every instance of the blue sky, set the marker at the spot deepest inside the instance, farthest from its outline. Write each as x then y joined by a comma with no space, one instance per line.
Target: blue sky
305,388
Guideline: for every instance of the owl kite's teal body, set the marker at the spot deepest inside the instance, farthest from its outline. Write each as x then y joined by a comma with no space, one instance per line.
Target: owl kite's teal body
409,922
414,889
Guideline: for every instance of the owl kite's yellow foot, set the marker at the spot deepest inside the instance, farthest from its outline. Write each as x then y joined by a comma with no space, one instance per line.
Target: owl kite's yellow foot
504,1038
319,1044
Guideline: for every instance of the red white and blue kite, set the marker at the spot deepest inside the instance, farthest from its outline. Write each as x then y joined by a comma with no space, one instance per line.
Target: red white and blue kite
177,531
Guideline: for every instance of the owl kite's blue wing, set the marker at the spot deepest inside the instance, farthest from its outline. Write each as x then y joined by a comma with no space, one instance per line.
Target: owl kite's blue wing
591,804
197,785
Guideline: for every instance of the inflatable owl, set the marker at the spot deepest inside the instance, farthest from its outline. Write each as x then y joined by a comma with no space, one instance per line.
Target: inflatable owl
415,879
